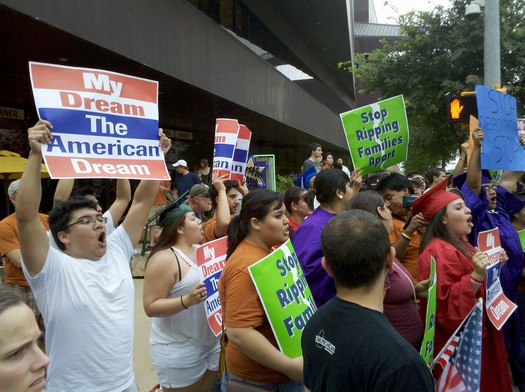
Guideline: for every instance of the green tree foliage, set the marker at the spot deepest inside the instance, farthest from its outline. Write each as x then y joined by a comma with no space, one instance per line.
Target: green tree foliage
441,55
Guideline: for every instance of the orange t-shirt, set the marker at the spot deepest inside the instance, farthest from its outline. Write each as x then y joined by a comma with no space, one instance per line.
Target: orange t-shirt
242,308
8,243
409,259
208,230
160,198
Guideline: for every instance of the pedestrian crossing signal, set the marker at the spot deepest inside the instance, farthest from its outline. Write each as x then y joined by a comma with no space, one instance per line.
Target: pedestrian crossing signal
460,108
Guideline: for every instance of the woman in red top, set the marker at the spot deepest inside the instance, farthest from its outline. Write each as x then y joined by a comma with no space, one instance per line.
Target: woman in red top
399,304
296,207
461,271
252,354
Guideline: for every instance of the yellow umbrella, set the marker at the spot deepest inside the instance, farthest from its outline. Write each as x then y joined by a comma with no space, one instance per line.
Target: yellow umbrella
12,165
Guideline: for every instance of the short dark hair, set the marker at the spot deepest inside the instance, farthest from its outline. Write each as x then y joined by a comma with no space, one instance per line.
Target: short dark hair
328,182
326,155
61,214
356,246
414,173
83,191
396,182
434,172
293,195
313,146
229,184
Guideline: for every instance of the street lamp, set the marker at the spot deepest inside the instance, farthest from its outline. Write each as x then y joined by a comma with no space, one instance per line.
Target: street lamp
491,40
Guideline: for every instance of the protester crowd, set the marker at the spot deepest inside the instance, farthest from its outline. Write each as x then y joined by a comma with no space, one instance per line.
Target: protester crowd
365,248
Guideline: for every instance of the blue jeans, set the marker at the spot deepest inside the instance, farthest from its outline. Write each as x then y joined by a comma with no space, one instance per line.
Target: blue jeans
277,387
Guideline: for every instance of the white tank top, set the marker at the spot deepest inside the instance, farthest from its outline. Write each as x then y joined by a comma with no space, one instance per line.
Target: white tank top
190,324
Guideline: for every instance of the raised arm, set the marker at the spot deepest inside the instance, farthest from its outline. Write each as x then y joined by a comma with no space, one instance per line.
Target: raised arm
143,200
509,180
122,200
34,244
474,164
462,161
63,191
222,212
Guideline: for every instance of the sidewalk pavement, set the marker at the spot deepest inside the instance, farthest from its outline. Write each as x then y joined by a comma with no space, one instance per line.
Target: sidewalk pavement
143,368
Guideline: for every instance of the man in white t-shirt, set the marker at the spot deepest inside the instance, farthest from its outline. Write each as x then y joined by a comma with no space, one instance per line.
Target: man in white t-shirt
112,216
85,292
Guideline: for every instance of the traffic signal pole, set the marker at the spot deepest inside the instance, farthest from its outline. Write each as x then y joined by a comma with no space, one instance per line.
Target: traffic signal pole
491,55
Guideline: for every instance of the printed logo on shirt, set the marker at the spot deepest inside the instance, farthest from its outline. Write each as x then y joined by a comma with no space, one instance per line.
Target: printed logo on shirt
321,342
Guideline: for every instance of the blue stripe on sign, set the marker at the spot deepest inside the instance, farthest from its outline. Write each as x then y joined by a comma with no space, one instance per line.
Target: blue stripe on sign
76,122
223,150
240,155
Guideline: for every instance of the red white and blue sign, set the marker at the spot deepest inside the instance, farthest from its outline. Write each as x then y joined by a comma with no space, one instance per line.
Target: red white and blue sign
240,154
105,124
211,258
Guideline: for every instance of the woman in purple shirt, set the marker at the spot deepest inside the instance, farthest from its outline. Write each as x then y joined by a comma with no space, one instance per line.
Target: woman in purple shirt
334,190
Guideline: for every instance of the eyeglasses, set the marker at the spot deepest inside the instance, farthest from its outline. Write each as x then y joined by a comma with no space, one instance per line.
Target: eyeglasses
88,220
205,195
489,188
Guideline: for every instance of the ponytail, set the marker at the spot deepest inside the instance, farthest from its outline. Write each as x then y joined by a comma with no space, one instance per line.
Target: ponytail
237,232
256,204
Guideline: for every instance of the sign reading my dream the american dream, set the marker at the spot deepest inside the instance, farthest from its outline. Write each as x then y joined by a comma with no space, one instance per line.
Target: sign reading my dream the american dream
211,258
377,134
105,124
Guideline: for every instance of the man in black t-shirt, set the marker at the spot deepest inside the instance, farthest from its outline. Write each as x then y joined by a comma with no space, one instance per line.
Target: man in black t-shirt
348,344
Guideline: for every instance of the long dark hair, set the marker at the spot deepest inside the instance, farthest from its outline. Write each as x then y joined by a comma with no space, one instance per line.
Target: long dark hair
437,229
256,204
168,236
327,183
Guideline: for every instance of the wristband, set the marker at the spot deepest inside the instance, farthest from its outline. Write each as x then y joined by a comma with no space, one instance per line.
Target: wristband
405,236
182,302
475,281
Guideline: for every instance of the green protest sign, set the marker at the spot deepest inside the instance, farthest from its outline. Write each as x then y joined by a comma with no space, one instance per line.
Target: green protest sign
377,134
521,234
427,347
495,175
285,295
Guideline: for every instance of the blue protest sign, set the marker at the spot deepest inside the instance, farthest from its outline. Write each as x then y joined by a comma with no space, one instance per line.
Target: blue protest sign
498,118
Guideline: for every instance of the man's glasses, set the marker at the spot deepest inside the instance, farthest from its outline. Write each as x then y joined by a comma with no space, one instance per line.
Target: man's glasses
88,220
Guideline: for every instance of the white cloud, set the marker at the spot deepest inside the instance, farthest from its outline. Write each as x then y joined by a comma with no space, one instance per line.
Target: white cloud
388,11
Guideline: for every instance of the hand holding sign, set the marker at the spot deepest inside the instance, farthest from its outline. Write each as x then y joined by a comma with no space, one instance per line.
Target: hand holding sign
504,257
38,135
477,136
357,180
480,262
164,142
196,295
